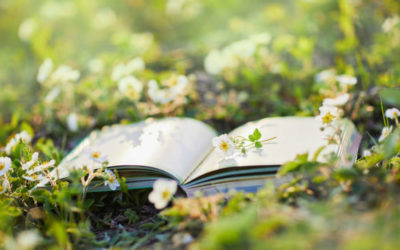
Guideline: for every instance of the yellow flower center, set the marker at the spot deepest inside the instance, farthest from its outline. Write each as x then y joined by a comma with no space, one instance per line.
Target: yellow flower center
111,180
96,155
166,194
131,92
2,166
224,146
34,176
328,118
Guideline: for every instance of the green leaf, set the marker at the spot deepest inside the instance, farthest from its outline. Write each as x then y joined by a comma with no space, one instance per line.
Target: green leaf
251,138
258,144
257,134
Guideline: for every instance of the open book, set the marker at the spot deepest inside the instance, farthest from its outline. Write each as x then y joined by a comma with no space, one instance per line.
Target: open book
181,149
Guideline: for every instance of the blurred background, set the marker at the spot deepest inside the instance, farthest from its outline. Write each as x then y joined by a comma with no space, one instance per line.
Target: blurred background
71,66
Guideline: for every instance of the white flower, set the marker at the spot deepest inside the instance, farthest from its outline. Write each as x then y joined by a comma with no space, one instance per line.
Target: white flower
96,66
33,177
163,191
31,162
135,65
346,80
72,122
23,136
224,145
385,132
337,101
131,87
26,29
95,156
215,62
325,75
176,87
122,70
52,95
65,74
261,38
366,153
44,70
41,167
392,113
328,114
4,186
390,23
5,165
112,181
28,240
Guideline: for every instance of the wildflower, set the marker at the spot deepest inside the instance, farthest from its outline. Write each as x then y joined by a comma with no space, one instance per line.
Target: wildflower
346,80
5,165
328,114
366,153
163,190
33,177
385,132
26,29
224,145
131,87
97,157
122,70
44,70
337,101
4,186
176,87
52,95
392,113
28,240
390,23
112,181
215,62
31,162
23,136
72,122
325,75
41,167
65,74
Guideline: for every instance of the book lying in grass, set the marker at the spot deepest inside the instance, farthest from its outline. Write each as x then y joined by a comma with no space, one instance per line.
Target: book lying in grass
181,149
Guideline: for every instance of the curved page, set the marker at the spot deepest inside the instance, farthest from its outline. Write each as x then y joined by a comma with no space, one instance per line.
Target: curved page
173,145
294,135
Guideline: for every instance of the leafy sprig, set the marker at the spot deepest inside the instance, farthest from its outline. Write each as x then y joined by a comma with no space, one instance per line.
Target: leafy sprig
252,141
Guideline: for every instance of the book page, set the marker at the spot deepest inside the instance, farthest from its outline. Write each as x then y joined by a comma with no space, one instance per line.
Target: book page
173,145
294,135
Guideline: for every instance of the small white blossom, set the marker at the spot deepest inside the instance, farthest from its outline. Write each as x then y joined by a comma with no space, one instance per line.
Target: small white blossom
176,87
44,70
390,23
33,177
215,62
328,114
3,187
122,70
385,132
131,87
163,191
31,162
325,75
112,181
65,74
26,29
224,145
366,153
5,165
72,122
392,113
97,157
23,136
28,240
346,80
337,101
104,18
52,95
41,167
